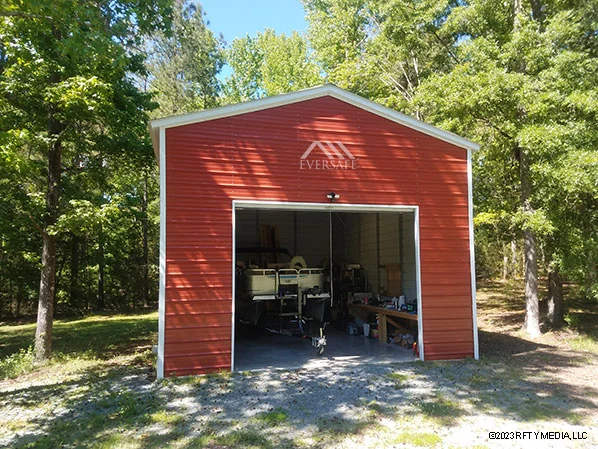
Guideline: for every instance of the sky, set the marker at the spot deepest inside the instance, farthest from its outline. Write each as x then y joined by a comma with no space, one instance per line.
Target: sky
236,18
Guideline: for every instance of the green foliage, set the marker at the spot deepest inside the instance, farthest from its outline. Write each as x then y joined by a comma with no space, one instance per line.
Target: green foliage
274,418
66,81
531,88
269,64
379,49
16,364
184,62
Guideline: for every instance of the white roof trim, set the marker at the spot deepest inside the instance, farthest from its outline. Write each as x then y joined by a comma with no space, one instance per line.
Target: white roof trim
308,94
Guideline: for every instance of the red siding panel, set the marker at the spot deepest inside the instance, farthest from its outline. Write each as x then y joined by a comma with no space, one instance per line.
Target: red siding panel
256,156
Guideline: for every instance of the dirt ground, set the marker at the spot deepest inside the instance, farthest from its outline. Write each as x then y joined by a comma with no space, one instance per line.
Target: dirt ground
566,357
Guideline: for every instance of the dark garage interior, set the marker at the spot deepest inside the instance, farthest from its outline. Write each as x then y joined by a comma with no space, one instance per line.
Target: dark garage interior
302,275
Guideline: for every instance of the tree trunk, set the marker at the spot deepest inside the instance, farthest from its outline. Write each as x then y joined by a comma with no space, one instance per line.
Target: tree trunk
101,300
514,271
47,285
556,308
532,307
45,308
145,288
517,11
505,266
74,284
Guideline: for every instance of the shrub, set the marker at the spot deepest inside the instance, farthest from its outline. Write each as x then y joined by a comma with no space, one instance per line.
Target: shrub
16,364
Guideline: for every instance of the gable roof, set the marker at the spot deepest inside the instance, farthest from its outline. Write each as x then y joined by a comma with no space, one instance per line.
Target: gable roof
302,95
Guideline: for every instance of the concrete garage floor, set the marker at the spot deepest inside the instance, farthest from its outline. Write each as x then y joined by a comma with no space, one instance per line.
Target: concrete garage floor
260,351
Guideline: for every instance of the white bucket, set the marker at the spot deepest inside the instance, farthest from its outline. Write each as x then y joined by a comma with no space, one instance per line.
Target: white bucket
366,329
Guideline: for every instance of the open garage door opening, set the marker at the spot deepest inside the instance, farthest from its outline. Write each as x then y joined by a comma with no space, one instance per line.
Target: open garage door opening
316,284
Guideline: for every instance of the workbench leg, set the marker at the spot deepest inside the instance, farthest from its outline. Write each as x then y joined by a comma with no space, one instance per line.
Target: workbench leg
382,328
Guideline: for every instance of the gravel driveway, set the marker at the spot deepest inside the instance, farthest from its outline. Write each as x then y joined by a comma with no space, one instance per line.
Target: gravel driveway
443,404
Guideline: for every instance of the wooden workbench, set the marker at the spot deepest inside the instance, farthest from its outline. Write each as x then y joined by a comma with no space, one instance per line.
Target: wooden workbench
382,317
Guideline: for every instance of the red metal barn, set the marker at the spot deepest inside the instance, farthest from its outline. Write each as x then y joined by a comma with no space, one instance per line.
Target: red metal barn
288,153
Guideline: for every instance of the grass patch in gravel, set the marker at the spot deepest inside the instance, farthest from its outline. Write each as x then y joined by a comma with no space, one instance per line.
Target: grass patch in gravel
376,408
14,425
400,379
164,417
245,439
115,440
338,426
441,409
537,409
275,417
200,442
419,439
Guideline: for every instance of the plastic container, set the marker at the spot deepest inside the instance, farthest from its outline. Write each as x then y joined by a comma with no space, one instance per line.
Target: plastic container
366,329
401,301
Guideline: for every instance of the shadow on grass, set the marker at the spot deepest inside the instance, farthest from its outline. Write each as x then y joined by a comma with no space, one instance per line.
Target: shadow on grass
100,336
516,377
582,317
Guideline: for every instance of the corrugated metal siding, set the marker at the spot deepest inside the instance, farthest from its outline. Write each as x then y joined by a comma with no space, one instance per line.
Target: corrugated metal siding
255,156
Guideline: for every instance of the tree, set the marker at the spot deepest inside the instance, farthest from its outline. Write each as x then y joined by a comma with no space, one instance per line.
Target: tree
381,49
513,90
184,63
269,64
64,77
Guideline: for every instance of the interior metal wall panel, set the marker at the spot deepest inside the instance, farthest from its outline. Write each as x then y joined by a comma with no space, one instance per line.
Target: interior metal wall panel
257,156
368,249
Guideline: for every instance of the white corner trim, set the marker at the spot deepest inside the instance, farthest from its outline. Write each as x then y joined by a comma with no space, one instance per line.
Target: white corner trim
476,346
307,94
233,314
162,288
418,280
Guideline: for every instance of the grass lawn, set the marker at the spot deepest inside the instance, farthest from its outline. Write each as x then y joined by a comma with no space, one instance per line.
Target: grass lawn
91,340
100,392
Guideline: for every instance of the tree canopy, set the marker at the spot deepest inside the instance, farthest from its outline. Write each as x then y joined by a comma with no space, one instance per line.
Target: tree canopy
269,64
183,63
